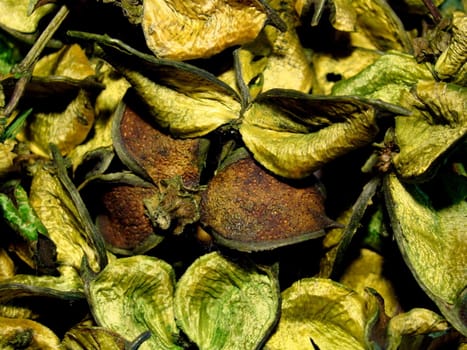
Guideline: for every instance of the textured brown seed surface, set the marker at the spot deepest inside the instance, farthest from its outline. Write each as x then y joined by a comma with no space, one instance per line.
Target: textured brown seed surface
160,155
124,224
254,210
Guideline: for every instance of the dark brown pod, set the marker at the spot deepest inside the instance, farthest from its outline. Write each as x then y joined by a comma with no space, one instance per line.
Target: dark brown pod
122,220
248,209
154,155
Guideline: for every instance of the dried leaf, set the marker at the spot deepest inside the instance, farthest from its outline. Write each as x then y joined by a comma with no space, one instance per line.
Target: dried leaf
27,334
183,31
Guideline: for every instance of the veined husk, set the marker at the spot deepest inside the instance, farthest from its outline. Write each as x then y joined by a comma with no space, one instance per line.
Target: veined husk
182,31
221,304
294,134
57,210
70,125
92,338
133,295
427,236
68,285
17,333
414,329
385,79
452,64
323,312
439,119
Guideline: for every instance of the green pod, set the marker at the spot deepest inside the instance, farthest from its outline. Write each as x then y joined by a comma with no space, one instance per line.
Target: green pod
134,295
225,305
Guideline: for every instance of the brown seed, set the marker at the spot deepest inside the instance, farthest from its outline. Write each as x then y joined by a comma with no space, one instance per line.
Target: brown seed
160,155
247,208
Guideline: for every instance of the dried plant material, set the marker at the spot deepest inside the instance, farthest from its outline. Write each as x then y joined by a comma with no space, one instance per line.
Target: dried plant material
415,328
27,334
154,155
66,129
439,119
93,338
385,79
180,30
426,236
70,61
149,281
324,313
60,216
452,64
7,156
223,305
248,209
277,139
14,14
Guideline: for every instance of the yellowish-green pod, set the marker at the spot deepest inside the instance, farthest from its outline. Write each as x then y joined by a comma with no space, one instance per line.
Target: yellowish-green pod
220,304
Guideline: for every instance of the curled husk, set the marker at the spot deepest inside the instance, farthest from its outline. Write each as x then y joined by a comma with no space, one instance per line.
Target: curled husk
183,100
426,236
63,219
220,304
92,338
17,333
452,64
324,313
133,295
7,155
182,31
247,208
439,119
294,134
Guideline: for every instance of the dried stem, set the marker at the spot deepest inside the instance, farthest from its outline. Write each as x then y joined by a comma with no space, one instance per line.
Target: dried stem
24,68
433,10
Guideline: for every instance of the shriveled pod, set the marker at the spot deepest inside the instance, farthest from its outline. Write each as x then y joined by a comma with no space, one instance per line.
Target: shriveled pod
122,219
153,154
247,208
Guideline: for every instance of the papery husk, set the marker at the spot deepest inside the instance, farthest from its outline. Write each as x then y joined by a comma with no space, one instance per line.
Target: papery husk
57,211
183,31
294,134
7,156
68,285
92,338
16,333
415,329
14,14
133,295
386,78
221,304
248,209
321,312
427,236
184,100
452,64
439,119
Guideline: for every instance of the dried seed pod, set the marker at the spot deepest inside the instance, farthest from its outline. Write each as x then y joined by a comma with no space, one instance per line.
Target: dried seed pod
154,155
133,295
123,221
247,208
220,304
